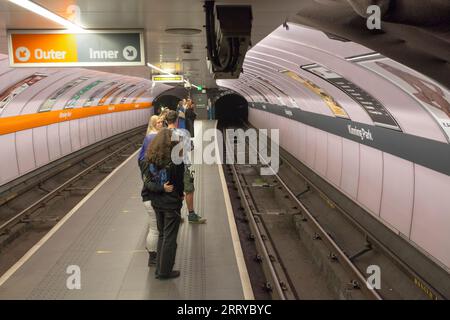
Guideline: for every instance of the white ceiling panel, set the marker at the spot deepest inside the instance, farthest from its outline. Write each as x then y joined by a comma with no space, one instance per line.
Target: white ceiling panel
154,16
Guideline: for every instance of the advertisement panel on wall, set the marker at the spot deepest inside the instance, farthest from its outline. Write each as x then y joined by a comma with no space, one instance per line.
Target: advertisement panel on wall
121,92
72,102
286,96
376,111
50,102
110,93
432,96
89,102
129,93
13,91
334,106
139,95
58,48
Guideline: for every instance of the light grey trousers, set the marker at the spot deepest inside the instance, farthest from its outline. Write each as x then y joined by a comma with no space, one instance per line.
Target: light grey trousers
152,235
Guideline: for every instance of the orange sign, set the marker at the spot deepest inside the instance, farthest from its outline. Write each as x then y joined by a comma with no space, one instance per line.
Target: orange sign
44,48
39,48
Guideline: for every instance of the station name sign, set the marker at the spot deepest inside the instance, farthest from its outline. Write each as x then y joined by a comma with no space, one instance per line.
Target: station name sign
168,78
58,48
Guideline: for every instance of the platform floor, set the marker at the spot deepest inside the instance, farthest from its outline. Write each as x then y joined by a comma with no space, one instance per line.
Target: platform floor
105,237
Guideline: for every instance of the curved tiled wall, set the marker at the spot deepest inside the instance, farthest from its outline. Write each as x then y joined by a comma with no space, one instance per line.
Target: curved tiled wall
375,129
46,114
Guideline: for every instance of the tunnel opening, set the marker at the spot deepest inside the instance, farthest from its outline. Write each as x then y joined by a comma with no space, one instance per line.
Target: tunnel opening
231,109
165,101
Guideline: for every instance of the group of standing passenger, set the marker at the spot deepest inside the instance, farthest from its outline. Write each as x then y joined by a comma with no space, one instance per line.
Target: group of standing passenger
166,185
186,115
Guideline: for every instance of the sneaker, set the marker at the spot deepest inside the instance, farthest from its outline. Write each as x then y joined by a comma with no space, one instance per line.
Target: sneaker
195,218
171,275
151,258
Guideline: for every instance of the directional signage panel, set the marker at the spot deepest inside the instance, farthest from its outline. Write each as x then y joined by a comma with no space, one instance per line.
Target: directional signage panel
58,48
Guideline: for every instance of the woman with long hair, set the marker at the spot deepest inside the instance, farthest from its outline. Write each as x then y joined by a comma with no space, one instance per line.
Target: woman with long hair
155,124
163,186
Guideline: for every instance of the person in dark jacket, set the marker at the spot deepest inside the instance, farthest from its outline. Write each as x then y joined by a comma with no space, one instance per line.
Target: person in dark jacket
155,124
190,117
164,186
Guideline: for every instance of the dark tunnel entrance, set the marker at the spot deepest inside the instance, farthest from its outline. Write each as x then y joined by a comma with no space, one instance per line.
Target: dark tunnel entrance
231,109
166,101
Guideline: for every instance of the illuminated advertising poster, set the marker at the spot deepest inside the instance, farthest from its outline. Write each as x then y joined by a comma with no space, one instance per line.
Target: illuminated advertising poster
9,94
140,94
293,103
96,94
126,96
334,106
266,84
50,102
119,93
71,103
259,93
111,93
433,97
376,111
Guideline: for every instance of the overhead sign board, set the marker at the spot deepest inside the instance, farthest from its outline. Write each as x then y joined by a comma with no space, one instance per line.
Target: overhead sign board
58,48
168,78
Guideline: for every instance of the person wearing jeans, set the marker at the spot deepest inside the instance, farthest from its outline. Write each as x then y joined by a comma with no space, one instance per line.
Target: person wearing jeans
163,186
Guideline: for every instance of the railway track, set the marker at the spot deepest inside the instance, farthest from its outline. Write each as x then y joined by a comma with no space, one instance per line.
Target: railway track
342,257
27,215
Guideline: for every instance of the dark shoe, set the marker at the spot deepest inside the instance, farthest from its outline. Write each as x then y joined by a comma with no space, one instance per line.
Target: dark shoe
195,218
171,275
151,258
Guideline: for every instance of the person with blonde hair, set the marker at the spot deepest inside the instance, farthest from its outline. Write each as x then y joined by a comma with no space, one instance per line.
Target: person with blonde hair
155,124
163,186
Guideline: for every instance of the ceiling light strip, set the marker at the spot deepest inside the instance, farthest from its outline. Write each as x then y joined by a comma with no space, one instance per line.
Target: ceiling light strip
37,9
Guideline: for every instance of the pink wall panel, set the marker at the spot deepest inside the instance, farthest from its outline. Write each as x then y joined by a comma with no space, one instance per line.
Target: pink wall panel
9,168
40,146
115,122
75,135
431,216
310,146
54,146
398,193
84,141
350,167
109,124
292,137
64,138
98,128
321,153
121,120
24,150
103,126
370,178
334,159
91,129
302,141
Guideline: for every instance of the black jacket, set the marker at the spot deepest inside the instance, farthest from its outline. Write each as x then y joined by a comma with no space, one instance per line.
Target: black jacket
190,118
155,193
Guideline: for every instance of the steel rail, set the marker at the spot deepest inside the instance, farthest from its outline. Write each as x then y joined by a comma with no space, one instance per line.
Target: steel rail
342,257
277,290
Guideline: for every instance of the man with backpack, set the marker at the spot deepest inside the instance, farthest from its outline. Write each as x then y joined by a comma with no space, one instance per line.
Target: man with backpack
193,217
